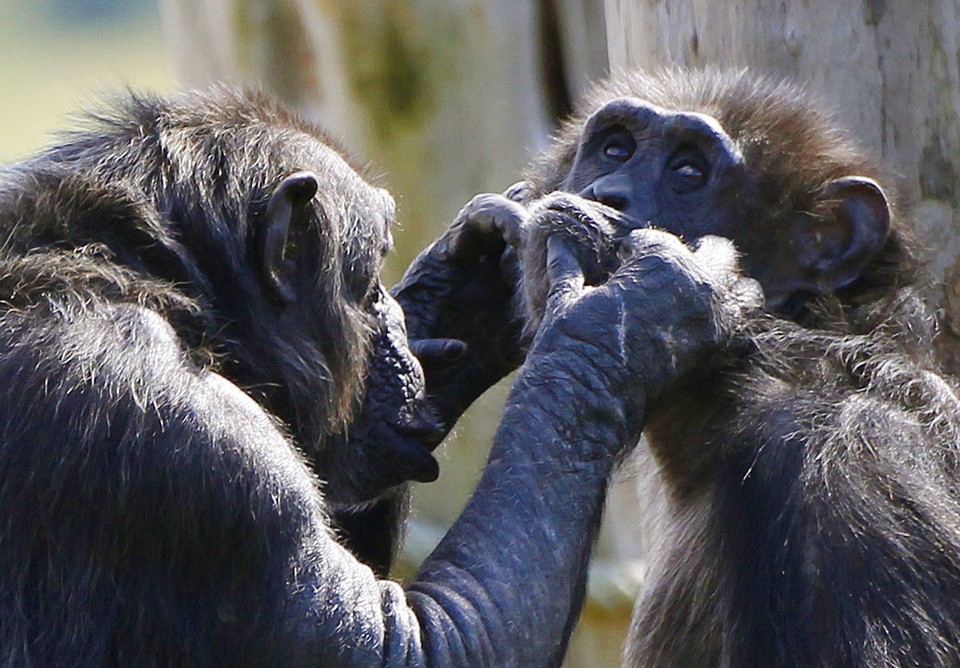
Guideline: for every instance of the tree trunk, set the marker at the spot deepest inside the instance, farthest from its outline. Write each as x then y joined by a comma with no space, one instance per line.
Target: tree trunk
448,99
891,70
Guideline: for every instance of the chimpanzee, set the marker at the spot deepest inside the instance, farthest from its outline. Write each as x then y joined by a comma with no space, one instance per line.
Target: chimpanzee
202,378
803,506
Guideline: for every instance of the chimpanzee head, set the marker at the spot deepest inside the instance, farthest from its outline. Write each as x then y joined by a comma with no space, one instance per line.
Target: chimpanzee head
261,220
738,156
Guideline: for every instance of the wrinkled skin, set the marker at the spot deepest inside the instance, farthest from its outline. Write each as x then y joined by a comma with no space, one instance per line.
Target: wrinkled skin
201,370
388,443
394,422
458,298
578,404
658,340
799,492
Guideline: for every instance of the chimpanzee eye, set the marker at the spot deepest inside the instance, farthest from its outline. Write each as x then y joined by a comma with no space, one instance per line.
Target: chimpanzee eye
619,146
688,169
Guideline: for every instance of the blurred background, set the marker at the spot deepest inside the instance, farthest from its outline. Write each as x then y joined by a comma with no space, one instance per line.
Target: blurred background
55,55
448,98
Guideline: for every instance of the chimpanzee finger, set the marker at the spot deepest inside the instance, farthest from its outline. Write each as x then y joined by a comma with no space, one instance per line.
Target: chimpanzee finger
435,352
511,229
564,271
510,266
518,192
478,236
485,224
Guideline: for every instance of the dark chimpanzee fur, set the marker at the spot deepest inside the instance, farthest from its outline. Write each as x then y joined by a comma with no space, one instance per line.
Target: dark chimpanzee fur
200,370
803,504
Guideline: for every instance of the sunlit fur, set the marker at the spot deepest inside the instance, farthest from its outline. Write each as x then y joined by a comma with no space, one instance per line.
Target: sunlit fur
790,145
800,496
150,185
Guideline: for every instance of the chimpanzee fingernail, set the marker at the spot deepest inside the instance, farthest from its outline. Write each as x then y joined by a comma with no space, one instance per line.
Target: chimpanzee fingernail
454,350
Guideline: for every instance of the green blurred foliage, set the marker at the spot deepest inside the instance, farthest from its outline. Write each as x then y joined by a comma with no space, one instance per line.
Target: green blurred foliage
59,55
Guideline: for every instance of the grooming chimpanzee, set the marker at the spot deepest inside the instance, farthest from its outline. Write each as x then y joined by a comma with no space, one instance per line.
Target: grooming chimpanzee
192,320
804,508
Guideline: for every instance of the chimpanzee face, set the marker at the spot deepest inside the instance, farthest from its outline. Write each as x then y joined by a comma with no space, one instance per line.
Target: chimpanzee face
682,171
667,169
326,234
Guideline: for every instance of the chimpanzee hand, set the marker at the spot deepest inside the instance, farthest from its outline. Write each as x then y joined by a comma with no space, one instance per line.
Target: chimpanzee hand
459,300
594,231
659,315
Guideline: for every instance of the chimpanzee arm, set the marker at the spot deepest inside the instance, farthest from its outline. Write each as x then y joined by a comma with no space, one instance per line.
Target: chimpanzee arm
166,504
505,585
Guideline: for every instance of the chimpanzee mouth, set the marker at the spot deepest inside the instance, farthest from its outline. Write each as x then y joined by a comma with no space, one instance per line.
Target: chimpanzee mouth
413,459
417,438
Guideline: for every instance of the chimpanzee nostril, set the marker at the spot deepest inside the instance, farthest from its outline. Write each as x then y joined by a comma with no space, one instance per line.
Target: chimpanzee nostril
610,193
613,200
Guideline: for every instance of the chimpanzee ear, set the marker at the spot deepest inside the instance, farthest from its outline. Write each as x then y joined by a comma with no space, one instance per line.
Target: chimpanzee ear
288,205
836,249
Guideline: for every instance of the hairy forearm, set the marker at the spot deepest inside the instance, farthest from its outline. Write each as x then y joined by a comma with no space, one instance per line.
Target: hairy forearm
508,579
506,584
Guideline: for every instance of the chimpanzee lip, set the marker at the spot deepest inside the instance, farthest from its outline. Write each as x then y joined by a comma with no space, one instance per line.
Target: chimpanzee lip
415,459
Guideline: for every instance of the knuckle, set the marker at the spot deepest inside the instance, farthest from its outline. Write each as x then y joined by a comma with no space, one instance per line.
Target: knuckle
518,191
482,199
477,205
482,217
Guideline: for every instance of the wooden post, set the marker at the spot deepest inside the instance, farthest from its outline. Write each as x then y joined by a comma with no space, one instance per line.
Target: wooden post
446,99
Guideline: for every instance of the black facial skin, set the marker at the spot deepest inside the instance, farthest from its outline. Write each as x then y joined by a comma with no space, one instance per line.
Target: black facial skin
210,407
681,172
803,496
671,170
388,443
